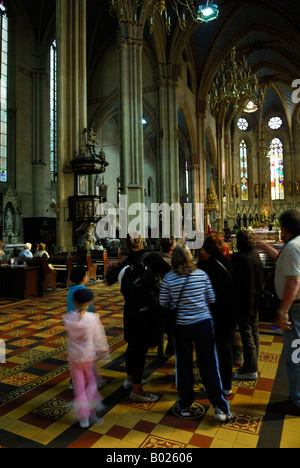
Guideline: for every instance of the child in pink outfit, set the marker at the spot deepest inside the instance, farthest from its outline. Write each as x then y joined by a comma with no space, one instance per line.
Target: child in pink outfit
87,343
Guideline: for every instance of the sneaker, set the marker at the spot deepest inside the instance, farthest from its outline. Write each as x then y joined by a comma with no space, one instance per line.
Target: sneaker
220,416
188,412
84,423
227,392
241,375
128,384
143,397
185,412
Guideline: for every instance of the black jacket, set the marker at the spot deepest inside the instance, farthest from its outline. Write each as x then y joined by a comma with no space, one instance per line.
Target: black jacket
137,325
249,280
220,271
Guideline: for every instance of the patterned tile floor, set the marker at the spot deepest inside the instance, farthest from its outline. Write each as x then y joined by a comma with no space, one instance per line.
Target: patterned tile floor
36,405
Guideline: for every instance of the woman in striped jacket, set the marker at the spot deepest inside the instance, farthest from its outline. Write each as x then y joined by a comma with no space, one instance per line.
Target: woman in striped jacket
189,291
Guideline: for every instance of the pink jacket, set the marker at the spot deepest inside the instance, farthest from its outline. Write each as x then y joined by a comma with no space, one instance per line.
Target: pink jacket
87,339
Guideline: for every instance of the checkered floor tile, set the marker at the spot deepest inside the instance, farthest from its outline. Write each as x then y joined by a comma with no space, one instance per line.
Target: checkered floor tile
36,405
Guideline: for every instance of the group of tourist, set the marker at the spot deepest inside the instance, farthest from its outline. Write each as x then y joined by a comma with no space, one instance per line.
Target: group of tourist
210,300
26,252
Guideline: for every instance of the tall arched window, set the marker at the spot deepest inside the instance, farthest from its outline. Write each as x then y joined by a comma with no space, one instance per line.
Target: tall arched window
244,170
53,116
276,167
3,91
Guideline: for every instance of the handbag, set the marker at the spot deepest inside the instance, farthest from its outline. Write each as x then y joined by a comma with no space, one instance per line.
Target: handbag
169,315
266,299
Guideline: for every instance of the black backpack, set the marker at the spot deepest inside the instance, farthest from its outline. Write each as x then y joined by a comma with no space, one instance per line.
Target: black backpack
139,285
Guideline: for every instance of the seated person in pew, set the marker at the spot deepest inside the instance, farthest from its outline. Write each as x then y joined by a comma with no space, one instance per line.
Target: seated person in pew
26,252
41,251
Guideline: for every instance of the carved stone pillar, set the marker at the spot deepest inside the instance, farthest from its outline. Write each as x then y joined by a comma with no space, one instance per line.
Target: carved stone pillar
220,175
131,109
71,103
168,161
39,96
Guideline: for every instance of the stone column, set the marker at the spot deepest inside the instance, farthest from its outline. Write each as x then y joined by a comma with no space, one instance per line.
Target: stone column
220,175
201,108
38,141
71,103
131,111
168,157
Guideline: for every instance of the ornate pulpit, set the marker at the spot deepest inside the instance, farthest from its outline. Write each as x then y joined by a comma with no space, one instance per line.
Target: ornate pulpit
84,207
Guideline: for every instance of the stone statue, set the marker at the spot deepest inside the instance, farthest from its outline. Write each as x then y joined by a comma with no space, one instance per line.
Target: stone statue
8,222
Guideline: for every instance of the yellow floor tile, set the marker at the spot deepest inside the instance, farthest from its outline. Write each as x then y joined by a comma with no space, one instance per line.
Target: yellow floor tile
219,443
126,445
30,432
16,427
106,442
44,437
292,423
162,431
127,421
226,434
135,437
247,439
240,401
293,437
180,435
289,445
5,421
247,402
101,428
152,416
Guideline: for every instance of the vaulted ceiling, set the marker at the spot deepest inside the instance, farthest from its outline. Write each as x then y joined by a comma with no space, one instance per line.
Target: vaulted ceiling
267,32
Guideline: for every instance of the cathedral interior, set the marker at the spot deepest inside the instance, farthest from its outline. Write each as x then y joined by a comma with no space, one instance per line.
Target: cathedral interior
101,99
159,103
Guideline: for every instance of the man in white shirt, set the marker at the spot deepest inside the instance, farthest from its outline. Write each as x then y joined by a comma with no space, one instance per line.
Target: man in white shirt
287,286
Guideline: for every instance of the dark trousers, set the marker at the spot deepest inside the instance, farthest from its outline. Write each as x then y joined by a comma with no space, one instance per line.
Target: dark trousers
224,341
200,334
248,326
135,357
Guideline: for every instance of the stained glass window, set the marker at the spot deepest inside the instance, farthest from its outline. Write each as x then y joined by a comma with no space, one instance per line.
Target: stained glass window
244,170
276,166
275,123
3,92
242,124
53,116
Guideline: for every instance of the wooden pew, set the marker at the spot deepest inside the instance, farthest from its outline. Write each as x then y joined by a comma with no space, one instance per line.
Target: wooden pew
59,263
47,273
57,268
81,259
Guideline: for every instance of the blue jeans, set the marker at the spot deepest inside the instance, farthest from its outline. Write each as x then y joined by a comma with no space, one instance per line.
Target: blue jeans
290,349
200,334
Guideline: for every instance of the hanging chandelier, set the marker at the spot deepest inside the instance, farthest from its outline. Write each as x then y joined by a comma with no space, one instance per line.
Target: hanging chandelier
235,84
199,11
263,139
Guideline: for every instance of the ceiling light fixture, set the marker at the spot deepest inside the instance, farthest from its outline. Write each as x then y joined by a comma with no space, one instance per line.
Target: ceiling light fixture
235,85
208,12
183,9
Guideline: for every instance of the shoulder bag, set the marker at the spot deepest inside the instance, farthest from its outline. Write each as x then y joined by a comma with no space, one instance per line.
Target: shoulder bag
169,315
